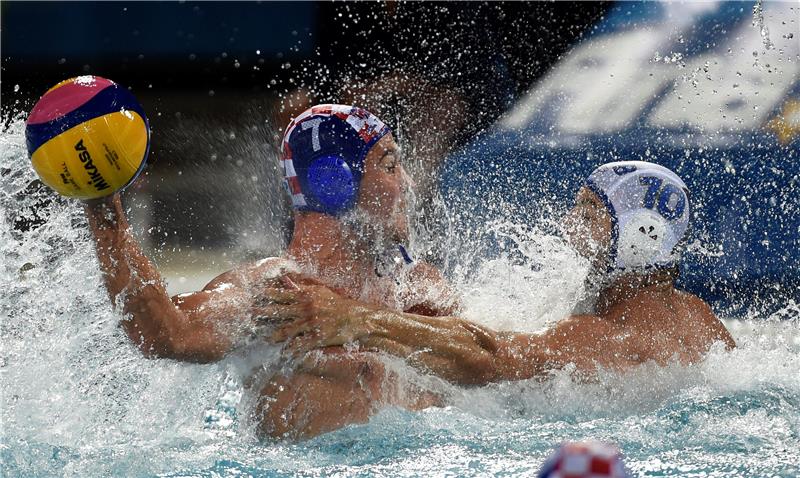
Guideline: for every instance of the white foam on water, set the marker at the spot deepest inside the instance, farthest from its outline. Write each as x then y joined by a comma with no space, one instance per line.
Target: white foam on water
528,291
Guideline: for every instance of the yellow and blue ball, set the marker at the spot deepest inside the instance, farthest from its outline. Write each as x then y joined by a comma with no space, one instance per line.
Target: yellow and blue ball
87,137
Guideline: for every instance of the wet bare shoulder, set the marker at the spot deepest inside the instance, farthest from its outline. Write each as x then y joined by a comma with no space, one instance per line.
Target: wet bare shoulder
264,269
701,313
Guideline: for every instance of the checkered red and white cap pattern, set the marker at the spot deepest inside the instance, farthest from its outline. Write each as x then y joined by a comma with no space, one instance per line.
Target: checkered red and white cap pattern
368,126
585,460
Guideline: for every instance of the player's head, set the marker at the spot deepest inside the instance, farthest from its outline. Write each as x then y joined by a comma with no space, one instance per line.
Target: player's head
584,460
630,215
337,158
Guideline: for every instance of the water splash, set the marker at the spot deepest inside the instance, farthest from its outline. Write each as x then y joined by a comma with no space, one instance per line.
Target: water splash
522,289
80,401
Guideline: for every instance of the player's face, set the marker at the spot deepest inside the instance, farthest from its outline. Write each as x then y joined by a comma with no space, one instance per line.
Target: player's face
384,187
588,227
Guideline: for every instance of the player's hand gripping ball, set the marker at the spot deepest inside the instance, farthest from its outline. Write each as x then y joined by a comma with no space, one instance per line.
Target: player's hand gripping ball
87,137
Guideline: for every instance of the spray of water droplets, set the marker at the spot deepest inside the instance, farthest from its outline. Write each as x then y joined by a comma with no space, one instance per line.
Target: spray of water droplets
79,399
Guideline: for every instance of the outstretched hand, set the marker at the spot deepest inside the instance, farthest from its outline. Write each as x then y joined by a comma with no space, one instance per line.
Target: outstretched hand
314,316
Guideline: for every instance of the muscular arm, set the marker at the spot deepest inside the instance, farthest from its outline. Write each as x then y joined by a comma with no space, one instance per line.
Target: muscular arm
200,327
455,349
466,353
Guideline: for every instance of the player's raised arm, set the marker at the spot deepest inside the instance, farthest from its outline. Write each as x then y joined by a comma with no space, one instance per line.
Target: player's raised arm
201,326
88,138
156,325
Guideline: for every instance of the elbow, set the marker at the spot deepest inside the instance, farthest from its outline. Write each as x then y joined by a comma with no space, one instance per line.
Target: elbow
730,343
162,349
145,340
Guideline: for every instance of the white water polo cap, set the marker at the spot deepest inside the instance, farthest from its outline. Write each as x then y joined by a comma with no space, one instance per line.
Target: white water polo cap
649,207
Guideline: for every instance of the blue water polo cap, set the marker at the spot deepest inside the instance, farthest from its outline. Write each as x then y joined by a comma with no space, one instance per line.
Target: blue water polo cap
323,155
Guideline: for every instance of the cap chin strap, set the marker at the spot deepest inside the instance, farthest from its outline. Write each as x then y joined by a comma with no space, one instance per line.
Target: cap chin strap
392,260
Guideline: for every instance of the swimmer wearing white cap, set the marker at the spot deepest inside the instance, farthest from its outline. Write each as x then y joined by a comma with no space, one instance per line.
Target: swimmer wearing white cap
629,220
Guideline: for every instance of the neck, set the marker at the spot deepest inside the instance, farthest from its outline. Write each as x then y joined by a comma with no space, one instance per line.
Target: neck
322,243
628,285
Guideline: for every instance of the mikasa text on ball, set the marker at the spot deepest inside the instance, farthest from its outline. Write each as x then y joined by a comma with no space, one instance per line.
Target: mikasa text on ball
87,137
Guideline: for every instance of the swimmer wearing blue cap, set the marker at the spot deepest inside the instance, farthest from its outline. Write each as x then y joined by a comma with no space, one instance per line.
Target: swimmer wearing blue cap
344,174
343,171
629,220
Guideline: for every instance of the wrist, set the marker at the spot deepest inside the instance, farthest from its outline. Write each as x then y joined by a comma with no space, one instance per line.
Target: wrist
367,322
105,212
100,203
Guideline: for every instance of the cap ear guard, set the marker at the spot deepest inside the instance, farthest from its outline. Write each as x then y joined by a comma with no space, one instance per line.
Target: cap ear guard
332,183
642,240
